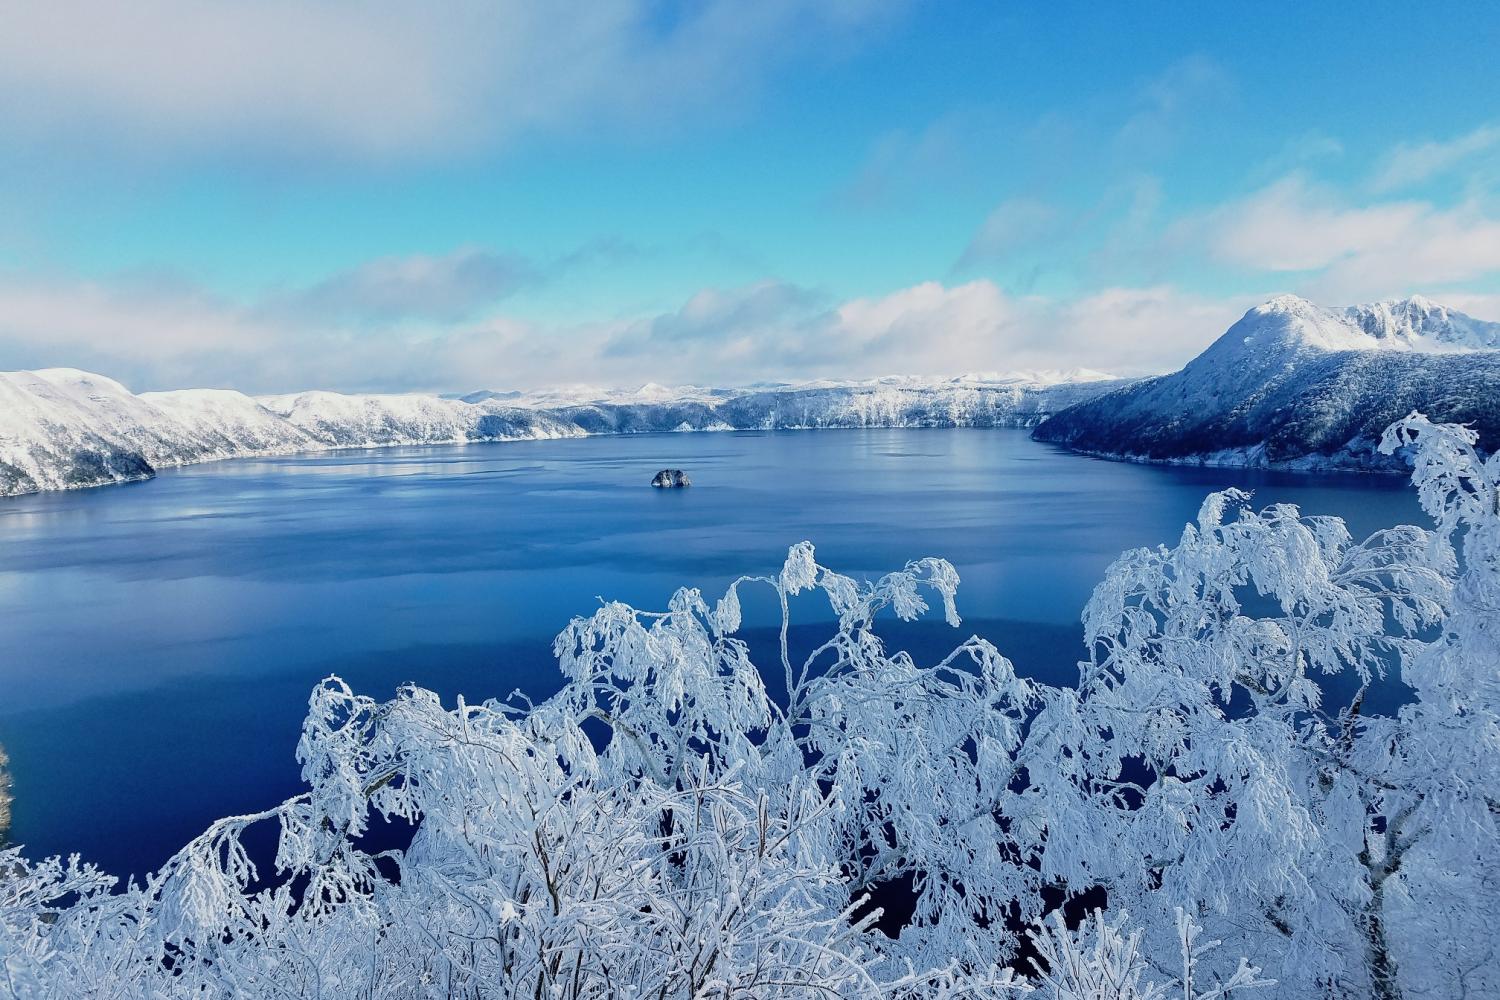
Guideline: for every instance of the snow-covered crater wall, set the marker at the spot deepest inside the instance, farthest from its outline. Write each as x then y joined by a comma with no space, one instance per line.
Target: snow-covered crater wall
62,428
906,403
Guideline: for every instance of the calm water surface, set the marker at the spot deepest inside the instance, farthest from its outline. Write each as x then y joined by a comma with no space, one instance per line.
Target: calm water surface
161,637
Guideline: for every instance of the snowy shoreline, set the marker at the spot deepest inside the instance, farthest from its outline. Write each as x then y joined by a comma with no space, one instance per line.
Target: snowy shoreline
1254,458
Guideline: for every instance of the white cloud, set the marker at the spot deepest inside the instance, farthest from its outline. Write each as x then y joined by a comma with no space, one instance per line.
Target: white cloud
717,332
1352,251
151,337
929,328
385,79
1294,226
170,336
1413,163
1480,305
926,329
378,325
775,330
1137,330
449,287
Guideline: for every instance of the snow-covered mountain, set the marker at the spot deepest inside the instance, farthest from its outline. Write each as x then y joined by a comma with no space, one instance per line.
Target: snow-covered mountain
62,428
1295,385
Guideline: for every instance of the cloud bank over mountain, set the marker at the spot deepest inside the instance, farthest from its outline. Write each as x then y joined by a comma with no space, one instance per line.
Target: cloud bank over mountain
431,324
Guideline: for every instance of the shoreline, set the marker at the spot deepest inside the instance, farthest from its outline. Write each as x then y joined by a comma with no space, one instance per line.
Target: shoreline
1241,458
1019,424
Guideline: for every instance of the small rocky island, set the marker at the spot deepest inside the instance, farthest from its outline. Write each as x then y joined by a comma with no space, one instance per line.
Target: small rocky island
671,479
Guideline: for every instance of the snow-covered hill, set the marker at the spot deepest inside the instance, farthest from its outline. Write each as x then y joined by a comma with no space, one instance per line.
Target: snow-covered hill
64,428
61,428
335,420
1294,385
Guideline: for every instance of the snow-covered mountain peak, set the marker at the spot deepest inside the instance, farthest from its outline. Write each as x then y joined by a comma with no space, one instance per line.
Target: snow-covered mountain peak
1411,324
1286,303
78,375
1292,322
77,380
654,392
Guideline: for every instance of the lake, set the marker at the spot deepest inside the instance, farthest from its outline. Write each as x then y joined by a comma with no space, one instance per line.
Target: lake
161,637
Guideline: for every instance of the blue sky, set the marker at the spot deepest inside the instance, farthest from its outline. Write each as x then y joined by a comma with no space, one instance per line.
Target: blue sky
283,195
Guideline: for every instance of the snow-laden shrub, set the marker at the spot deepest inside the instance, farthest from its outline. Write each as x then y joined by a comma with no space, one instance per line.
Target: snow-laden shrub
665,827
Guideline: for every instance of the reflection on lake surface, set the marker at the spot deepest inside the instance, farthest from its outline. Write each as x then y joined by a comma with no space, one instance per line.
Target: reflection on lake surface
162,637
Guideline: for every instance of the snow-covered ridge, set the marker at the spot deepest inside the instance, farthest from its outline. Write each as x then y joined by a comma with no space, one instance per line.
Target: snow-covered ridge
652,392
1413,324
1420,325
1297,385
62,428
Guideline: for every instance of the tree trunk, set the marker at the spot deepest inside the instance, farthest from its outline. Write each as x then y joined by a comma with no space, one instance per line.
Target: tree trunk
1382,967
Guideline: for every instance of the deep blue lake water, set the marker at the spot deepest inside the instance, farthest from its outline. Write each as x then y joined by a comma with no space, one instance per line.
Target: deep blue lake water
160,638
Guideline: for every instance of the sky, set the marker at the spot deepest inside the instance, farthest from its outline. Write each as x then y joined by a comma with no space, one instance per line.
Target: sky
382,196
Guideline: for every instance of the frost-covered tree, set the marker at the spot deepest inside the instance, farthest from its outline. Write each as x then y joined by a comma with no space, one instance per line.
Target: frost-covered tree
660,828
1354,854
900,770
711,841
1102,959
4,797
1432,774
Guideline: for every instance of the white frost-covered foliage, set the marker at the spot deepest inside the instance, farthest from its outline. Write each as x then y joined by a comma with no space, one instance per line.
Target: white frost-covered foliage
666,827
1102,960
1354,855
713,843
